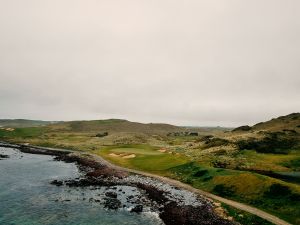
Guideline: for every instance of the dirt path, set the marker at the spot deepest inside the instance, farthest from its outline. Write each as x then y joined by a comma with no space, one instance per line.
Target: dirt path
241,206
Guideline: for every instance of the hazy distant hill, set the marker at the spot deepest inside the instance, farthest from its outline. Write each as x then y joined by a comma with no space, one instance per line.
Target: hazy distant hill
282,123
19,123
291,121
115,125
278,135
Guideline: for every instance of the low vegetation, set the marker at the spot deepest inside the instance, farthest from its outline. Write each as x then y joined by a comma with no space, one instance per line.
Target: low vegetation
269,194
276,142
244,218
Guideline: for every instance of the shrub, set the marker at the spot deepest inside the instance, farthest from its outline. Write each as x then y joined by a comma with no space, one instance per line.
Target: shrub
277,191
189,180
102,134
204,138
293,164
207,178
222,190
200,173
242,128
220,164
215,142
272,143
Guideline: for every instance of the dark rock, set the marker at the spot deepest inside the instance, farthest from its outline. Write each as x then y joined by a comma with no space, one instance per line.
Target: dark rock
105,172
4,156
153,193
112,203
174,214
57,182
84,182
111,194
137,209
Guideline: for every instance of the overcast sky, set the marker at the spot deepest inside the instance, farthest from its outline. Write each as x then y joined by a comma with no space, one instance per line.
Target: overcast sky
186,62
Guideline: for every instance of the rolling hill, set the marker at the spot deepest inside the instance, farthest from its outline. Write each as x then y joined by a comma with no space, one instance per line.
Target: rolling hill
115,126
17,123
277,135
282,123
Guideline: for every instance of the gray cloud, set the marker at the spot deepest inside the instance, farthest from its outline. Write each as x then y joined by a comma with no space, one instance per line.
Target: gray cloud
210,62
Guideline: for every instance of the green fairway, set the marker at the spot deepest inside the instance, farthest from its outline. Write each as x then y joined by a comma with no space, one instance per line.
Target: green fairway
146,158
157,163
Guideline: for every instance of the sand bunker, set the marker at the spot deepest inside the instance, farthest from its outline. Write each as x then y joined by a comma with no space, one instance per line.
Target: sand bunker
114,155
7,129
124,156
162,150
129,156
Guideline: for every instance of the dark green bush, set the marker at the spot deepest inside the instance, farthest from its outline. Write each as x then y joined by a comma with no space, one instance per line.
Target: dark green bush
207,178
215,142
293,164
205,138
222,190
102,134
242,128
200,173
278,191
273,143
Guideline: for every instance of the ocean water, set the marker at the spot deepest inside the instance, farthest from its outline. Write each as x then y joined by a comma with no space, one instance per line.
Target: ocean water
28,198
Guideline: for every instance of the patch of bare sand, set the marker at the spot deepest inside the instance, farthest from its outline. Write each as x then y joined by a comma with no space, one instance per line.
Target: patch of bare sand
129,156
123,155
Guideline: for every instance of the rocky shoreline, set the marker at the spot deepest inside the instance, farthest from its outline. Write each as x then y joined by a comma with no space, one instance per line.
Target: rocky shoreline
174,206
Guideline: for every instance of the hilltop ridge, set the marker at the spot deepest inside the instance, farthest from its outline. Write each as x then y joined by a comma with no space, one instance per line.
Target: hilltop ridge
290,121
18,123
115,126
